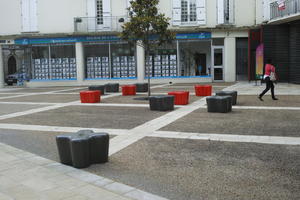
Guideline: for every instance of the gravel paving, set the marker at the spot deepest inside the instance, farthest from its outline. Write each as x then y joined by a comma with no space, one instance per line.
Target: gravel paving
90,117
240,122
50,98
8,108
284,101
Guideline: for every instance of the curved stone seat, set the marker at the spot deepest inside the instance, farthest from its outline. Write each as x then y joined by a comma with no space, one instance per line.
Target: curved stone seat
229,93
222,104
83,148
161,102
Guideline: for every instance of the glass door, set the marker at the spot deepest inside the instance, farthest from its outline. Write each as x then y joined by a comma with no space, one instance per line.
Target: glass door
218,63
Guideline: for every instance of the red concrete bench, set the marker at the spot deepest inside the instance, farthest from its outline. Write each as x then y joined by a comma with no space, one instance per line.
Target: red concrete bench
90,96
180,97
128,90
203,90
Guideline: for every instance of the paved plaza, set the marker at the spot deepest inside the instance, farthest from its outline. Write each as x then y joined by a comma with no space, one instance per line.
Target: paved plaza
252,152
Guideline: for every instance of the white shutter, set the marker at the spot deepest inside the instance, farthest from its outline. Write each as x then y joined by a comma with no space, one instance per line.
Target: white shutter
33,16
231,11
176,12
220,19
266,8
201,12
25,11
106,14
91,13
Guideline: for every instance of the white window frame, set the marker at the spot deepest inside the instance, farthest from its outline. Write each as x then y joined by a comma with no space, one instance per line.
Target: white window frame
200,13
225,12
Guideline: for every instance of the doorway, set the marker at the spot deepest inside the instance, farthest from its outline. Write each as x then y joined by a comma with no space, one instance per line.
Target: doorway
242,59
12,65
218,63
200,60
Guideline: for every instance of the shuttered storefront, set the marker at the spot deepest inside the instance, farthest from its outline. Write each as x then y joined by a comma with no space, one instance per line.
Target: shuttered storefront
294,74
282,45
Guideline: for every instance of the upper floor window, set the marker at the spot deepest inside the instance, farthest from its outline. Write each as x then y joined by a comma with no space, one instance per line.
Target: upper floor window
99,11
29,15
225,11
189,12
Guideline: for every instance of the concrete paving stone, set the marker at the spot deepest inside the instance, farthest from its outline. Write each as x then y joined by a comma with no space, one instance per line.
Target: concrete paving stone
190,169
6,157
77,197
102,182
84,176
57,193
6,182
118,188
49,98
99,117
141,195
5,197
284,101
22,192
60,167
94,192
38,184
240,122
67,182
9,108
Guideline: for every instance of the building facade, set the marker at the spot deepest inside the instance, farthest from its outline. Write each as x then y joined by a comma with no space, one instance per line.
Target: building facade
75,42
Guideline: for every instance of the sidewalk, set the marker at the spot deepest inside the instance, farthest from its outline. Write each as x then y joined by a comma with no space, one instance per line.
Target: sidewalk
26,176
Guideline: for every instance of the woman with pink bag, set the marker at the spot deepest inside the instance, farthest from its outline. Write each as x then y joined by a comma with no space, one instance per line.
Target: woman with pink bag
269,77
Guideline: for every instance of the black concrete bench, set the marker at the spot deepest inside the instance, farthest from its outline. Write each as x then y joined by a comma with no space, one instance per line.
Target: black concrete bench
83,148
222,104
161,102
101,88
141,87
112,87
229,93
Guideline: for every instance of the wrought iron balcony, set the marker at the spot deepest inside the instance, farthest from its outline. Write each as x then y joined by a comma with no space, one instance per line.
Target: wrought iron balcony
99,24
287,8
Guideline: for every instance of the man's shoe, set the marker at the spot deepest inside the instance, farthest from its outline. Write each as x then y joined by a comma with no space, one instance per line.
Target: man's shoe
259,97
275,98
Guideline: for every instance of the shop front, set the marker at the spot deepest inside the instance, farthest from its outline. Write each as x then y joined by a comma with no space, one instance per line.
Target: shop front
83,60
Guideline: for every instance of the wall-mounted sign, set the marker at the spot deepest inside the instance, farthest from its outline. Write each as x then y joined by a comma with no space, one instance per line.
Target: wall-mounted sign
102,38
259,61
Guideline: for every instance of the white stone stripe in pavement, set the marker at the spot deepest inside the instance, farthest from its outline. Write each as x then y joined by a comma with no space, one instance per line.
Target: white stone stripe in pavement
40,174
60,128
228,138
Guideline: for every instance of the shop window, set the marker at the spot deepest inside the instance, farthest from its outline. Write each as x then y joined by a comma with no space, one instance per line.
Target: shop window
63,62
123,61
194,58
54,62
162,62
97,61
40,62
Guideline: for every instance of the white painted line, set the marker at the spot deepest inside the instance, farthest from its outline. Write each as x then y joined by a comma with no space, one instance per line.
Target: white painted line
60,128
64,90
112,105
228,138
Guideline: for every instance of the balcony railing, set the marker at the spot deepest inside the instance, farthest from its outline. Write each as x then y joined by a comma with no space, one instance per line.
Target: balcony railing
99,24
289,7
